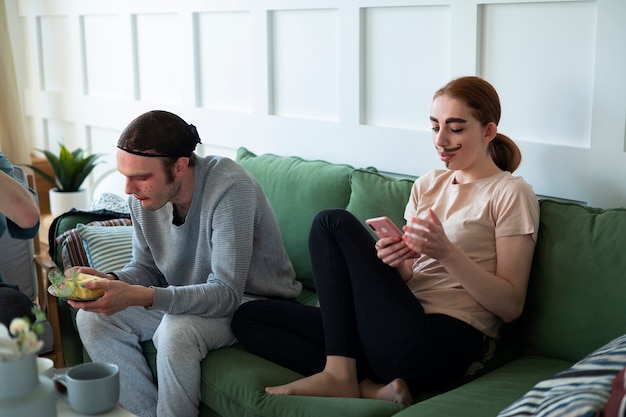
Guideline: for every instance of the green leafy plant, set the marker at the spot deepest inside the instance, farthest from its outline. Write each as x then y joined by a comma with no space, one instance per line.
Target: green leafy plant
70,168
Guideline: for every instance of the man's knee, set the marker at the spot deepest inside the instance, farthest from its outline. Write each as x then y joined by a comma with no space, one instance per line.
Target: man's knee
84,319
174,330
188,332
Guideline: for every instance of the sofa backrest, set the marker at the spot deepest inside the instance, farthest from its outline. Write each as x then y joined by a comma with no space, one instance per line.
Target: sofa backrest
299,189
577,291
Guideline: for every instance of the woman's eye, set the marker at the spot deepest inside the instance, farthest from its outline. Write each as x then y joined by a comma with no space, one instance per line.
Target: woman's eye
456,130
435,128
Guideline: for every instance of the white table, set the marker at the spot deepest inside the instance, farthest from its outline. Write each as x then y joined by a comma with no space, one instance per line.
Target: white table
64,410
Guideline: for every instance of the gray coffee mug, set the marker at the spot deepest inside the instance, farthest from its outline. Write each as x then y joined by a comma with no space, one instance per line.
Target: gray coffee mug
92,388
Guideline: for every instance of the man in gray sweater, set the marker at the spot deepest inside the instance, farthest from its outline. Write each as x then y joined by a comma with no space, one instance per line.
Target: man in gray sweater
205,240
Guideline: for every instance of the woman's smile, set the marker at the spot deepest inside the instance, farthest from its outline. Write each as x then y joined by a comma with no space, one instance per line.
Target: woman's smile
446,154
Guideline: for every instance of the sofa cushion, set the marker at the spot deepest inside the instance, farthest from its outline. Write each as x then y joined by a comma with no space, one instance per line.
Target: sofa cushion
374,194
575,300
107,248
233,383
580,391
298,190
490,393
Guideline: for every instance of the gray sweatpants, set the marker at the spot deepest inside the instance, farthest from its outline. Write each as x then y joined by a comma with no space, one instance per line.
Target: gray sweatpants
182,341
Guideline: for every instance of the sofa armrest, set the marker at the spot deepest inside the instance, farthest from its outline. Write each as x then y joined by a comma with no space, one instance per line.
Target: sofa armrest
48,304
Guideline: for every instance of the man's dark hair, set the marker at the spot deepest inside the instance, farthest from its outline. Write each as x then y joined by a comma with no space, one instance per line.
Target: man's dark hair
159,133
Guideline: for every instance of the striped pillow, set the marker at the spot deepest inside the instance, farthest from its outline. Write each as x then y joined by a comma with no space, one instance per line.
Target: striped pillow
107,248
72,249
580,391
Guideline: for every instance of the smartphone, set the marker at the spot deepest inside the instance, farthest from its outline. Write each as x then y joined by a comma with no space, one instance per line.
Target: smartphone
383,227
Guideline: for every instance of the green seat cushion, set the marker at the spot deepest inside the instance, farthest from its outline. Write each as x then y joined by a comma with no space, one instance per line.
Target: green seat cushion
579,391
298,189
374,194
577,289
233,383
491,393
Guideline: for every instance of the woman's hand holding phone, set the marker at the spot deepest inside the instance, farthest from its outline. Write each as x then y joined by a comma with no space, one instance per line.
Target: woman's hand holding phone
390,247
384,227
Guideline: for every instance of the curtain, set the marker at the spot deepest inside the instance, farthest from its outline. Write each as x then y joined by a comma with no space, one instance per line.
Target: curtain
13,140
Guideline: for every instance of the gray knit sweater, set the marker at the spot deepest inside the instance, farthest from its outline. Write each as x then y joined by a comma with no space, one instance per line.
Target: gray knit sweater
230,244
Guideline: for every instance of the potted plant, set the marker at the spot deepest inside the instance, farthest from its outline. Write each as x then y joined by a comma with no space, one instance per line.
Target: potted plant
70,171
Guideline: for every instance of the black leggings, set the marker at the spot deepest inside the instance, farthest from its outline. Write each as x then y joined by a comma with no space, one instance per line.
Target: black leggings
367,313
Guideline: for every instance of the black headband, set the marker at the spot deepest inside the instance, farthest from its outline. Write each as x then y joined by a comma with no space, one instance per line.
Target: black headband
150,155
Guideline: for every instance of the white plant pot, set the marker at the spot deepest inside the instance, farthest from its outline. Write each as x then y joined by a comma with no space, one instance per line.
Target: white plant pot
63,202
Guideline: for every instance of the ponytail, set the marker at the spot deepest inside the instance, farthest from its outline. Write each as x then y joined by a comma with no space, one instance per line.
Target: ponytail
505,153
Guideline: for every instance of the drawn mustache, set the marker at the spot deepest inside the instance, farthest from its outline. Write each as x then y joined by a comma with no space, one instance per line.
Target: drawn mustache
449,150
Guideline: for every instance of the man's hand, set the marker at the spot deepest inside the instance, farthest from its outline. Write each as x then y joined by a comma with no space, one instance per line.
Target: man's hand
90,271
118,295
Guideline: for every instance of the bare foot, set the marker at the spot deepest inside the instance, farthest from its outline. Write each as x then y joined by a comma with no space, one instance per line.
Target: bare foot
396,391
323,384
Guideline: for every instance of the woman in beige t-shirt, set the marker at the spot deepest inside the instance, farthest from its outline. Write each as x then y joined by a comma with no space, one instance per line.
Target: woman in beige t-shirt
417,310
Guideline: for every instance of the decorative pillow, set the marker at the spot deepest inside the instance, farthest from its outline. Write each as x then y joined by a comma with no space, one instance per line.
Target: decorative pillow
107,248
616,406
373,195
580,391
71,244
298,189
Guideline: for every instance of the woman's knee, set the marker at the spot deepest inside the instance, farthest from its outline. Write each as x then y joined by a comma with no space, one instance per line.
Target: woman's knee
243,319
329,216
332,220
250,318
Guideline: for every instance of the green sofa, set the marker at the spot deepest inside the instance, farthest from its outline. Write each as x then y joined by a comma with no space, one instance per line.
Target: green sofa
575,301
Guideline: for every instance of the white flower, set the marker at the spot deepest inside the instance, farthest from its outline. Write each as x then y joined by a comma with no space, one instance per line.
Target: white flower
20,338
8,346
18,326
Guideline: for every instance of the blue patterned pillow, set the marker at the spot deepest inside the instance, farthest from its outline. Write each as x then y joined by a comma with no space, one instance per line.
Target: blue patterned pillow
580,391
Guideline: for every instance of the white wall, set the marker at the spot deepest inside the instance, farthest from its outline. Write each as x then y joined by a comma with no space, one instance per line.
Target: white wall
345,80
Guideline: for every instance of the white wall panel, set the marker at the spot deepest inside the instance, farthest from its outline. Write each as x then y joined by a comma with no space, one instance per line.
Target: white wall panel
58,132
304,65
545,76
59,71
406,58
346,81
105,176
108,56
224,53
159,58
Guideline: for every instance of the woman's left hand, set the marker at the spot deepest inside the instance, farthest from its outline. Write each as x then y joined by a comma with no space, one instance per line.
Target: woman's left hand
427,236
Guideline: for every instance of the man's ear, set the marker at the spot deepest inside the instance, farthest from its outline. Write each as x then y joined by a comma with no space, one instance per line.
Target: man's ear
181,165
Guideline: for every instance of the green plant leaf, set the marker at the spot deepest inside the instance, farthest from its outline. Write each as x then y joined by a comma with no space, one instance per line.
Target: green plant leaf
70,168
